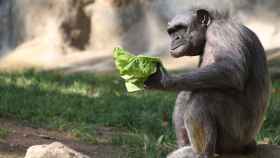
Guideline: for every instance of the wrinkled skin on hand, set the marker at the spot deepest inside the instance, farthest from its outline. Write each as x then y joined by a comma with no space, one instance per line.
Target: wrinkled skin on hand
158,80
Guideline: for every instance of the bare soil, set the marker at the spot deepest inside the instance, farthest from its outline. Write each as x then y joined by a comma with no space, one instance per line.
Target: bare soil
21,137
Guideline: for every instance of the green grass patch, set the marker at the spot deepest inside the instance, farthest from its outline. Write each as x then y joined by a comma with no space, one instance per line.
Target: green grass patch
4,133
79,103
271,127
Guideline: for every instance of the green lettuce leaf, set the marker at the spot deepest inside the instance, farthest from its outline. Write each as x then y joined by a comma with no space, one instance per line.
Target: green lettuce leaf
134,69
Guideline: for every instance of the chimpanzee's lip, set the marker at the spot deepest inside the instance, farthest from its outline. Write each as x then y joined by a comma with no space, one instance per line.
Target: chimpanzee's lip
174,54
176,46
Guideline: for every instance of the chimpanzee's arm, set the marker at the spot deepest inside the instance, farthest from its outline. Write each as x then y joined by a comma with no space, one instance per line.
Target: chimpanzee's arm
220,75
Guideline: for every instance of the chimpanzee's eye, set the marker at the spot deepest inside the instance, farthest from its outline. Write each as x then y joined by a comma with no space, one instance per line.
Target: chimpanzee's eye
182,29
171,30
177,28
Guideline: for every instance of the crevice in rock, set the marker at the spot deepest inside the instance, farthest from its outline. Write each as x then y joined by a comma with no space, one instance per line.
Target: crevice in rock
76,27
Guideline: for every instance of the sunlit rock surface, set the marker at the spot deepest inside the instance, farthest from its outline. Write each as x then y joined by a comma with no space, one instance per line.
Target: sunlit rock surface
53,150
263,151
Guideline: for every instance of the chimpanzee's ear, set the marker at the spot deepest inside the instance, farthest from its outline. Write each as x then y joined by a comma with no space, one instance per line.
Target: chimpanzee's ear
203,16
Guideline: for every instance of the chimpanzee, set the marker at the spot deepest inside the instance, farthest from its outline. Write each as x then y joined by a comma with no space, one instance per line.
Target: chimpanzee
221,104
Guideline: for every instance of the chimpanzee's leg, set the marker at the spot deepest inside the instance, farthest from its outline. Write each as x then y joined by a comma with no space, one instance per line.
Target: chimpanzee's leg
178,119
201,129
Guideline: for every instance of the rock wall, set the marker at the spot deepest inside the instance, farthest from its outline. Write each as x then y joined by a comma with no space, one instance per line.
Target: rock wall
62,33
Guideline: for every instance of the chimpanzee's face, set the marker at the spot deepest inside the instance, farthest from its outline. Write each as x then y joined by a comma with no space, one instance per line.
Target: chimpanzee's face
187,33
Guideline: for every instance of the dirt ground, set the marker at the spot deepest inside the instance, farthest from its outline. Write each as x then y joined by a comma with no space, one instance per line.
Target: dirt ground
21,137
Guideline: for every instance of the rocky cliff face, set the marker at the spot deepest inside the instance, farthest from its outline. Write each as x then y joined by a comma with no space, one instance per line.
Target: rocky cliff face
79,24
60,33
9,35
45,32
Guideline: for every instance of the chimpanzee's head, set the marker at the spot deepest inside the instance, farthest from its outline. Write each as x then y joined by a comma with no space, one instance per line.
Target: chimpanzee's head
188,33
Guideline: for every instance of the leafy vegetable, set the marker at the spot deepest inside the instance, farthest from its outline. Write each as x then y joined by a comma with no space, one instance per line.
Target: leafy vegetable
134,69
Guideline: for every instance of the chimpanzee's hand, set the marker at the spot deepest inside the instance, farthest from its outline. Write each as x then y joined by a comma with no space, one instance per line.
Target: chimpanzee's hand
157,80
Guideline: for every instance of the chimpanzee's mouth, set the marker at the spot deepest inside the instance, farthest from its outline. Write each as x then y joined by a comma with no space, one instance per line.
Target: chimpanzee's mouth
176,46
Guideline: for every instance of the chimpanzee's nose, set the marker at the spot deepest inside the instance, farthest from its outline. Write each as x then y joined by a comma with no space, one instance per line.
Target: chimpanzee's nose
177,37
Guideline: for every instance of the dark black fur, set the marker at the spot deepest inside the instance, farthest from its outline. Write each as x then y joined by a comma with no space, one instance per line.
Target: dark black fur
224,100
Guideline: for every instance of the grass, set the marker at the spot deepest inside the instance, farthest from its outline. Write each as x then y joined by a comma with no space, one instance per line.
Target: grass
80,103
271,127
3,133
